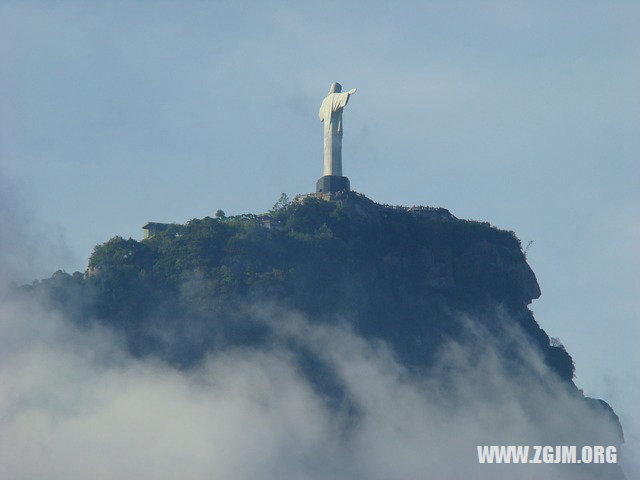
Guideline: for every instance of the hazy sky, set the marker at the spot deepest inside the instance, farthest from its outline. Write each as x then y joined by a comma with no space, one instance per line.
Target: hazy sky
523,114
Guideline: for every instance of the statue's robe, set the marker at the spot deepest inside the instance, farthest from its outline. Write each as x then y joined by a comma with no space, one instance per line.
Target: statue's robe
331,114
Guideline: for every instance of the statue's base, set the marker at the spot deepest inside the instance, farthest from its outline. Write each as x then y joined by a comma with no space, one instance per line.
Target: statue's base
332,184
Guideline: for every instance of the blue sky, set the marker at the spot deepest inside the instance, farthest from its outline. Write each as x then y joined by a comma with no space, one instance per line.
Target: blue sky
523,114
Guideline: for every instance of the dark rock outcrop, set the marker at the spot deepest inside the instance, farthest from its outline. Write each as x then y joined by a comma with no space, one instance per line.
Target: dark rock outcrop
409,276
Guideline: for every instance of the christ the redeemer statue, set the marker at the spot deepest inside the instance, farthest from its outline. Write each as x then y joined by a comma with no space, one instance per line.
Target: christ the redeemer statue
331,114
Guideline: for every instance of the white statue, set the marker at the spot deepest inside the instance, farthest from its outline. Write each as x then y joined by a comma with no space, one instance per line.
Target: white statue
331,115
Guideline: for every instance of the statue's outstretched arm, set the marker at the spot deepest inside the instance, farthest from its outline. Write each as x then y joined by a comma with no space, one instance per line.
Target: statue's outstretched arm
352,91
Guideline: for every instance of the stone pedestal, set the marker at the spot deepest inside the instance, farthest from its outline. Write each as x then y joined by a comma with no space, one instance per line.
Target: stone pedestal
332,184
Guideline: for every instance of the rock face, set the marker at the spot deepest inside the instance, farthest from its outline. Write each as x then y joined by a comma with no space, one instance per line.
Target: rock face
405,275
412,277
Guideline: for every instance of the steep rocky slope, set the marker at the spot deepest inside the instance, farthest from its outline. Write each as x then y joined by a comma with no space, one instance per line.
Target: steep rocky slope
417,279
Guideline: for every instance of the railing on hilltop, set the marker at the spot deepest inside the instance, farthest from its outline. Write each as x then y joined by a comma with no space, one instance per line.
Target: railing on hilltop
415,210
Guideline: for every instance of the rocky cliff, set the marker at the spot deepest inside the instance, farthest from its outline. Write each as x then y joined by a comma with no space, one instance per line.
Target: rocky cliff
419,280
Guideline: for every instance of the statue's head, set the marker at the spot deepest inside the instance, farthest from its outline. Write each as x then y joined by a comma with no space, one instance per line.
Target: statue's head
335,88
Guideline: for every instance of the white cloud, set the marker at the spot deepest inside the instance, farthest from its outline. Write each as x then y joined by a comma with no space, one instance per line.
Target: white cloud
74,406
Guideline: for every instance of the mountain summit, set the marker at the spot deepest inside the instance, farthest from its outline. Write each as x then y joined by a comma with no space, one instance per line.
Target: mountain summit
427,286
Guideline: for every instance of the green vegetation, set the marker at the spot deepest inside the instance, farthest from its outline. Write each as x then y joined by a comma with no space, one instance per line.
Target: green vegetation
404,275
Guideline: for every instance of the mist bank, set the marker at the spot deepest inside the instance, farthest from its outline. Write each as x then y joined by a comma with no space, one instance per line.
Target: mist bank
77,403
